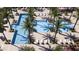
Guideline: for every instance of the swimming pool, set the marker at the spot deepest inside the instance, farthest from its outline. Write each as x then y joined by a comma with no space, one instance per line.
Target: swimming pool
20,34
41,25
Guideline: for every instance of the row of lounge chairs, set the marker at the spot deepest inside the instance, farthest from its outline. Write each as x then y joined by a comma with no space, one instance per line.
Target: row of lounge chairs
58,42
42,42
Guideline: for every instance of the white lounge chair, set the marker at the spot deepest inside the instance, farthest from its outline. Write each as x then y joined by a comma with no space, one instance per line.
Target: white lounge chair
36,42
45,41
48,41
59,42
40,42
68,41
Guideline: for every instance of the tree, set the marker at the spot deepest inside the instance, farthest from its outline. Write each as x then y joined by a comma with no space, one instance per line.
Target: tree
70,10
77,18
57,25
28,24
6,13
66,11
54,12
56,21
2,27
30,11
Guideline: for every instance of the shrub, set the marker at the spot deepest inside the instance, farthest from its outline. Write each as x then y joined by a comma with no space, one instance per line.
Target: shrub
26,48
58,48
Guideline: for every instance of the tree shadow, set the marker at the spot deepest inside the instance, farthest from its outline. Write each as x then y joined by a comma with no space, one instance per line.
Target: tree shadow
48,36
46,49
2,38
22,36
70,36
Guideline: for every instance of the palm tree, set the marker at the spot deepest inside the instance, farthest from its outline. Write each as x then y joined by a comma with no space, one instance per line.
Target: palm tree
57,22
1,21
57,26
7,12
2,27
28,24
66,13
77,18
54,11
31,12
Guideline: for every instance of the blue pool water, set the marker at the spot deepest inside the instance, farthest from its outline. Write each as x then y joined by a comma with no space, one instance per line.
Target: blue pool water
42,25
20,34
67,26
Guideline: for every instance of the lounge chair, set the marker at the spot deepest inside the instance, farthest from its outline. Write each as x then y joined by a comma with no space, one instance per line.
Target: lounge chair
40,42
48,41
36,42
45,41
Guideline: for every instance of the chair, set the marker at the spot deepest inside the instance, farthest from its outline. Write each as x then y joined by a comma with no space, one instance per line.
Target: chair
45,41
36,42
40,42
